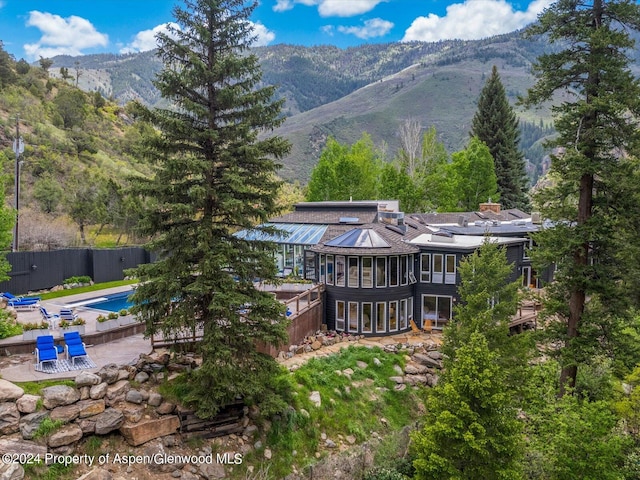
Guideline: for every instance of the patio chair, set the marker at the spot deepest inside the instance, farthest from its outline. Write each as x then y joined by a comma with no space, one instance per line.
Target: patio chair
74,346
21,303
68,314
10,297
414,328
51,318
46,351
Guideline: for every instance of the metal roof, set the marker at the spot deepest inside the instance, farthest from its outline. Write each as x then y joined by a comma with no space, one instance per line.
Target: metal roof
359,238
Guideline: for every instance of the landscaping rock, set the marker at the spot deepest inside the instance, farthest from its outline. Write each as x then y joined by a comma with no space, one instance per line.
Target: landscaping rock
9,392
27,403
65,436
109,373
87,379
9,418
59,395
66,413
29,424
87,425
315,398
361,365
11,471
165,408
155,399
397,379
89,408
134,396
108,421
143,432
15,444
98,391
117,391
141,377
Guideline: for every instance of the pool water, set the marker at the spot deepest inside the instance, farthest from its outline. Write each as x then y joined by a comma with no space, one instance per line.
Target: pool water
114,302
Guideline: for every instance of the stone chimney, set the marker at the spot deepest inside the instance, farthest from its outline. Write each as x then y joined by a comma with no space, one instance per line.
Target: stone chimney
490,207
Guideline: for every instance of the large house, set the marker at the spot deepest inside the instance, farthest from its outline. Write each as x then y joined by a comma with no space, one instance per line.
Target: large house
382,268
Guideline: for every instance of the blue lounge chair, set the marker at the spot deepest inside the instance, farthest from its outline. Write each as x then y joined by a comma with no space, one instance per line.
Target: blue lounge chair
68,314
74,346
51,318
46,351
20,303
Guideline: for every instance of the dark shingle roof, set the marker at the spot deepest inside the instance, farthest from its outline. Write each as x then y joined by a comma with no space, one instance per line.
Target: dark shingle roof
452,218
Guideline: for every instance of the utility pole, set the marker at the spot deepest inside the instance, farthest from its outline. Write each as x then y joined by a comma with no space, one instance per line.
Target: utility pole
18,148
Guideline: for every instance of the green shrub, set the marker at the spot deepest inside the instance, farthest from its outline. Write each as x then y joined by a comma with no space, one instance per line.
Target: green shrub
101,318
78,279
35,326
8,326
124,312
112,316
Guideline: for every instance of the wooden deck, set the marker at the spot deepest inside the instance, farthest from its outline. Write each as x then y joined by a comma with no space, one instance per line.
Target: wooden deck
526,317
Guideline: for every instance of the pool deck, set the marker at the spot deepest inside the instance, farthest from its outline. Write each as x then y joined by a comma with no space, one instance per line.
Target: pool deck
20,368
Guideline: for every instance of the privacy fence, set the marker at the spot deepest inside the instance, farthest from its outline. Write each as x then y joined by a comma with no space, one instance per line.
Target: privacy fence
42,270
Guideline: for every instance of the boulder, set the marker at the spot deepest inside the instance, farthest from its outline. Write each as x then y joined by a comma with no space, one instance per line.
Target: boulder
59,395
29,424
87,379
66,413
426,360
108,421
89,408
109,373
9,418
397,379
11,471
98,391
134,396
67,435
141,377
155,399
165,408
118,389
27,403
143,432
315,398
15,444
9,392
87,425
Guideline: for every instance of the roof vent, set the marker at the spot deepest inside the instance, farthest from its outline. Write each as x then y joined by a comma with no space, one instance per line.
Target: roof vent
349,220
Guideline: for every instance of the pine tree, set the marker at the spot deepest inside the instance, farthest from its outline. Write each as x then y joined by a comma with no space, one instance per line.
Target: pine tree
596,126
470,431
214,176
495,123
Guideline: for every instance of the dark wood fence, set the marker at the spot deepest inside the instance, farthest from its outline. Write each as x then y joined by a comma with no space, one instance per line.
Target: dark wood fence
32,271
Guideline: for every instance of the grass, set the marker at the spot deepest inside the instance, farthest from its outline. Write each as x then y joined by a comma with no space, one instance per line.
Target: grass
88,288
35,388
47,427
350,406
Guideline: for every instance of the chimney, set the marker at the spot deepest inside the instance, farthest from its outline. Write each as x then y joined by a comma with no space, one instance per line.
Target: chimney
536,218
490,207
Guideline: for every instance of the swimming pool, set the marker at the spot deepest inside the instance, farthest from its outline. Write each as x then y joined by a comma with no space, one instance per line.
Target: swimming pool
112,303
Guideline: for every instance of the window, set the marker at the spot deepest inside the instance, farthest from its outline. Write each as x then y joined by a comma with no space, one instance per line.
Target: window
340,269
353,316
527,249
393,271
381,272
309,265
436,309
403,314
393,316
404,269
450,269
353,271
437,268
367,318
381,316
340,316
367,272
330,269
425,267
322,268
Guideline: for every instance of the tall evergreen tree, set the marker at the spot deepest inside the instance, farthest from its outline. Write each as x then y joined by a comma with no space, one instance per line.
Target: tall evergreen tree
213,176
596,126
495,123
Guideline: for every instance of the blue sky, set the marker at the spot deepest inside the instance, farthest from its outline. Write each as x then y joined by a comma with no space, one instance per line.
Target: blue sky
33,28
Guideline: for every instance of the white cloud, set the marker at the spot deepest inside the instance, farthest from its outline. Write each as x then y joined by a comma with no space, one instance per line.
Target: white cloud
376,27
146,39
473,19
331,8
62,36
263,35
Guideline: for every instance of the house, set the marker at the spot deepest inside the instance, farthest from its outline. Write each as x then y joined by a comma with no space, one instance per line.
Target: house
380,268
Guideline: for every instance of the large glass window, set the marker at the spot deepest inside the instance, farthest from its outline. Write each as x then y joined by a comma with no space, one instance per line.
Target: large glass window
436,271
340,316
322,268
367,272
381,271
330,269
393,316
381,317
425,267
393,271
403,314
340,269
353,316
436,309
367,318
450,269
353,271
404,269
309,265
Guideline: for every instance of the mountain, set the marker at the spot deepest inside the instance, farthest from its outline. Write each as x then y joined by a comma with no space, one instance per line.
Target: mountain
344,92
